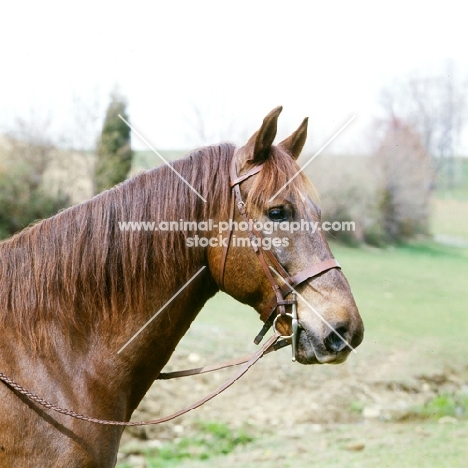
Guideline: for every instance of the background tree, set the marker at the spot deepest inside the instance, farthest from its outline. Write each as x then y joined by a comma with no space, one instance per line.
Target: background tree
114,153
406,178
434,104
25,195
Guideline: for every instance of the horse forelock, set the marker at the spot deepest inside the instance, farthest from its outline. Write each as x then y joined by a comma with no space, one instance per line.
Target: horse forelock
280,173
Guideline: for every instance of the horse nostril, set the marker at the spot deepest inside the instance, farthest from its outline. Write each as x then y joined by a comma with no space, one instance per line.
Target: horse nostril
334,341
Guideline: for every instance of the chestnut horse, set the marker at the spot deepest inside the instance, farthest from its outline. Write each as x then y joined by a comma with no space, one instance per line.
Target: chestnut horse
76,287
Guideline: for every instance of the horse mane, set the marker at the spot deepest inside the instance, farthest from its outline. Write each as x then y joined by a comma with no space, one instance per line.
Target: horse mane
79,271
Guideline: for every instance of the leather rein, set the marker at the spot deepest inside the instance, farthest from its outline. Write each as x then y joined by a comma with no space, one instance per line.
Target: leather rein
274,309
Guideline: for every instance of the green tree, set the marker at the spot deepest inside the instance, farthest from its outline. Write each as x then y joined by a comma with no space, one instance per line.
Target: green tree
114,153
25,196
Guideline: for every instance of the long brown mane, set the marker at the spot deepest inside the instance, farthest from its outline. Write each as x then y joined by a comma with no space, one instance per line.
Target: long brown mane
78,270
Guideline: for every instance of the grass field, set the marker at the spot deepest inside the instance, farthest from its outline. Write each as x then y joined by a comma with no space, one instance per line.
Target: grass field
450,219
413,302
387,445
412,296
455,188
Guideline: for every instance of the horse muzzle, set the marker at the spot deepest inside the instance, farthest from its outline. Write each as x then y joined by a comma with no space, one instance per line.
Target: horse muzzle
330,346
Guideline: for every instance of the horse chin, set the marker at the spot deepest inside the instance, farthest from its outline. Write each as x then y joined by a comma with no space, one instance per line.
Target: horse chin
306,358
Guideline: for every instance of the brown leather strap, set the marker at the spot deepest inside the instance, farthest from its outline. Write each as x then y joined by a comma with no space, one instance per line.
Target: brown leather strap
295,280
215,367
235,196
313,270
235,179
226,248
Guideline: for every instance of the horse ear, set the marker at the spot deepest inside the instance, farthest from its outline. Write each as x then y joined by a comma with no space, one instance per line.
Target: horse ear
294,143
262,139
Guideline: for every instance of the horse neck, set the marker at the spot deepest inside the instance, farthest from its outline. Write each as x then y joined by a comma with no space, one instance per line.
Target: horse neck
176,286
144,348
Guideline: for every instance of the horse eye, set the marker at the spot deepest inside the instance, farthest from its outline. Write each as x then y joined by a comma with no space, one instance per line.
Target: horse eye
277,214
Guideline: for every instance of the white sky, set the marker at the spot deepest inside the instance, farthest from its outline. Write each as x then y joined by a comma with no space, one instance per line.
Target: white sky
232,60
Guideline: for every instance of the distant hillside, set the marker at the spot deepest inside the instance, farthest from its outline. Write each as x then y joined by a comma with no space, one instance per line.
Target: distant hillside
67,171
71,171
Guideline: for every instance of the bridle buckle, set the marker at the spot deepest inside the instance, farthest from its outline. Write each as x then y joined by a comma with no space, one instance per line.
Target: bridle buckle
241,207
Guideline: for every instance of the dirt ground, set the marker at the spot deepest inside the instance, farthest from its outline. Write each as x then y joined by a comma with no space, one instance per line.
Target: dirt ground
278,395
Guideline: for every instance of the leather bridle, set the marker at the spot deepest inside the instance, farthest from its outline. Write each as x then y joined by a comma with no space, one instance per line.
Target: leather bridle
276,306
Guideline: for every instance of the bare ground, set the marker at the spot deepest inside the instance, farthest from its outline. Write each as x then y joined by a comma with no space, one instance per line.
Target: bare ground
362,397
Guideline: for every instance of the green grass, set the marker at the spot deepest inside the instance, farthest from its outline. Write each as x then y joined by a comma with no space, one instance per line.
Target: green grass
412,297
459,190
450,218
413,302
445,404
412,445
209,439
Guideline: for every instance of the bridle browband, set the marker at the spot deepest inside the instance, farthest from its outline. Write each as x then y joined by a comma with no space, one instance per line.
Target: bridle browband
276,306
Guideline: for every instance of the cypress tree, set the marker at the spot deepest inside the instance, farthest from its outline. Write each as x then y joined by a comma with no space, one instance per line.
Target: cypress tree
114,153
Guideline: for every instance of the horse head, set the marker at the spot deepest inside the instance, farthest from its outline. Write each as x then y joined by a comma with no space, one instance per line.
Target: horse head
275,238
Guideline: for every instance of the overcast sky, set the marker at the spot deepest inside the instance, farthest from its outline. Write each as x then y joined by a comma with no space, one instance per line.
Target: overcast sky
232,61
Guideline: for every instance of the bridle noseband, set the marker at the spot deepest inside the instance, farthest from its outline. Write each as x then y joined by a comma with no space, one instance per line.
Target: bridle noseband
276,306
